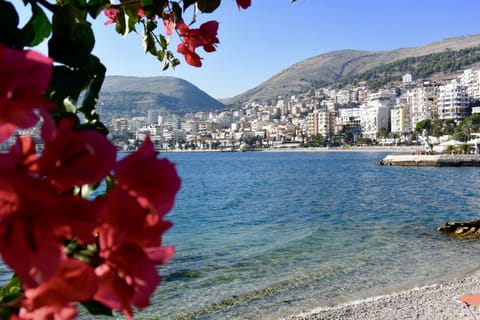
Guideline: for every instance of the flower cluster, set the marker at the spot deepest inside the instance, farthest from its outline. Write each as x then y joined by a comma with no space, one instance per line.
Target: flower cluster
64,247
78,223
191,38
205,36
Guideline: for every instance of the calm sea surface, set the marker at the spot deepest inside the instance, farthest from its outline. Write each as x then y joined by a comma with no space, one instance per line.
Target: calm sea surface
264,235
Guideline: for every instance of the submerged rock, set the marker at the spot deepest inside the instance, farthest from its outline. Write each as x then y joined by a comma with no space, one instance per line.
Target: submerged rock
464,230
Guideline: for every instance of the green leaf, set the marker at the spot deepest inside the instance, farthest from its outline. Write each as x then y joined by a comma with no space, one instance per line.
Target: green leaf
72,37
69,105
94,7
11,291
166,64
37,28
208,6
66,85
177,11
149,43
96,77
188,3
96,308
127,17
175,62
161,55
151,25
8,23
163,42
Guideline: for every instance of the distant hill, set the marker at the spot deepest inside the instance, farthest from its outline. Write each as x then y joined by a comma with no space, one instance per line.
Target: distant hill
330,68
142,93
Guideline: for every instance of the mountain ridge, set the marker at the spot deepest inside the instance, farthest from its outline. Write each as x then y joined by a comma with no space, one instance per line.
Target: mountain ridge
327,68
175,95
179,96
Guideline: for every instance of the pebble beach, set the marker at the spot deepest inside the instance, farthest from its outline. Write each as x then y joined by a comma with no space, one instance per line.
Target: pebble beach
435,302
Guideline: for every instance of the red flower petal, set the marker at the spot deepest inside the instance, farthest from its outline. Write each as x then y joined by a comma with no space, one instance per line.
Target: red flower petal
76,157
24,77
145,175
244,4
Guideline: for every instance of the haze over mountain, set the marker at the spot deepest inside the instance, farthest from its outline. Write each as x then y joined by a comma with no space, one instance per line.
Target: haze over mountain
326,69
180,96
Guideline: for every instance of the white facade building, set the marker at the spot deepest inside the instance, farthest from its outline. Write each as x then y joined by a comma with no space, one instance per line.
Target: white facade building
452,101
423,103
374,116
471,79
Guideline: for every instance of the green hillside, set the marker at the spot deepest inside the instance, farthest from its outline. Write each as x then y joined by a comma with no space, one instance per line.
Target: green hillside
138,94
423,67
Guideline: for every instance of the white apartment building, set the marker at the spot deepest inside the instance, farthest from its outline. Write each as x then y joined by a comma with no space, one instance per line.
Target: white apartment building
350,117
452,101
386,97
120,124
398,117
407,78
471,79
152,116
345,96
191,126
321,122
423,103
374,116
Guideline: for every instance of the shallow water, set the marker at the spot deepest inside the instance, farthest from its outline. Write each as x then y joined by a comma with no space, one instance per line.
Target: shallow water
268,235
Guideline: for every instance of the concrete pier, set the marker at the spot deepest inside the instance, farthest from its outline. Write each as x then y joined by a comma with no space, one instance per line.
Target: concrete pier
431,160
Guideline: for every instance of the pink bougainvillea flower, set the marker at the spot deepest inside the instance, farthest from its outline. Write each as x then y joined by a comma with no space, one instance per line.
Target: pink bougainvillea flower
244,4
169,24
74,281
208,35
128,233
68,312
128,278
75,157
27,243
131,229
205,36
24,77
125,220
22,155
191,57
149,178
35,221
141,13
111,14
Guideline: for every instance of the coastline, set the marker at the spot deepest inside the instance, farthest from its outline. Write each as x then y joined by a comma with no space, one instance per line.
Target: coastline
389,149
432,302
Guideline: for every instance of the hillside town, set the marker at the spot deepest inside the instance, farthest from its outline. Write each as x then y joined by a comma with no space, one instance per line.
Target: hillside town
319,117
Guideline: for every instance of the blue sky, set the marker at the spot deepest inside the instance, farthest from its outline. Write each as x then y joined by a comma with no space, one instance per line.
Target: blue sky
270,36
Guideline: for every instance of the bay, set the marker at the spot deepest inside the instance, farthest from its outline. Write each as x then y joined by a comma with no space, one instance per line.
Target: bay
264,235
268,235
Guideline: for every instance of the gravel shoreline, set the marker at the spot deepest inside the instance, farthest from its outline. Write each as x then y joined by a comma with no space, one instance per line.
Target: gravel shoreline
436,302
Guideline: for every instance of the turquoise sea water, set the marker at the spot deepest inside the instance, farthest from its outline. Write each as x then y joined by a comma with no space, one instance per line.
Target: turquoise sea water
264,235
268,235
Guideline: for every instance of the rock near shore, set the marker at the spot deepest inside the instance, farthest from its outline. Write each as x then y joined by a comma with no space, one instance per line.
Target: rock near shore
463,230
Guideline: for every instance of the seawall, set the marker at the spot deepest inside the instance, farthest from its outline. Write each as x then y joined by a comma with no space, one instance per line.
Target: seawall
431,160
